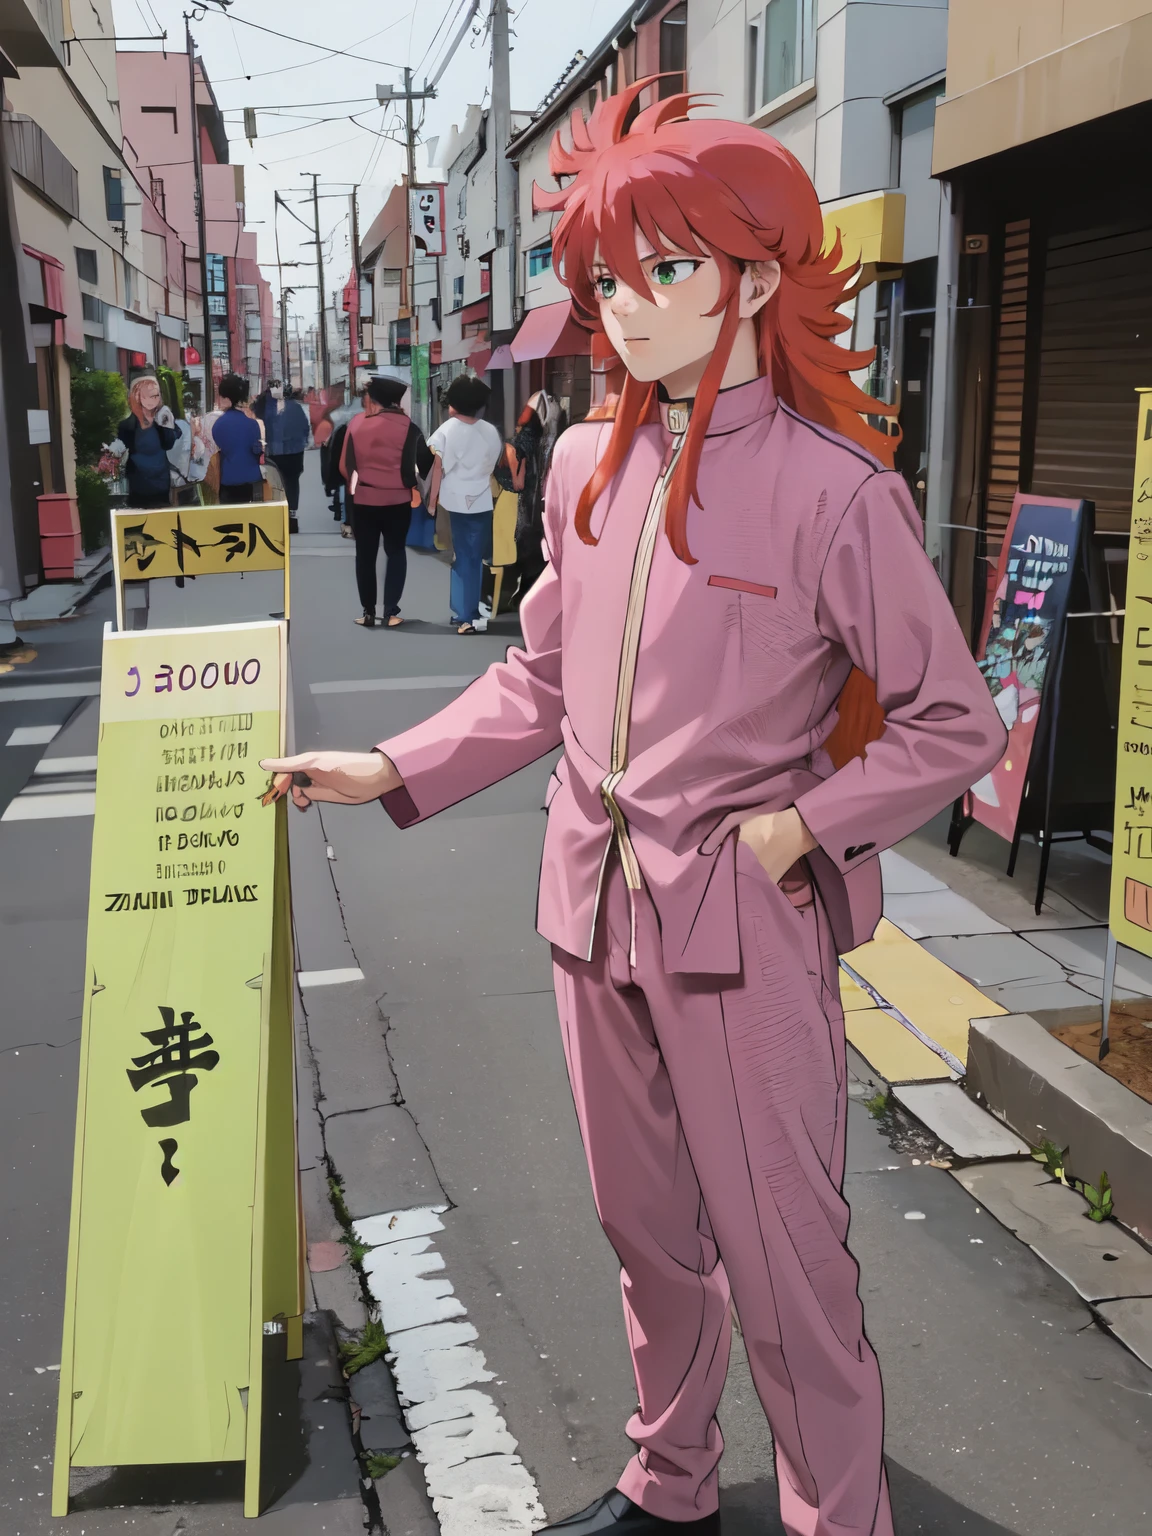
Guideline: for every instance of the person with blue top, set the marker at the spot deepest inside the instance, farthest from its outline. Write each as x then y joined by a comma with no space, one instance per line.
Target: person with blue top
237,438
286,434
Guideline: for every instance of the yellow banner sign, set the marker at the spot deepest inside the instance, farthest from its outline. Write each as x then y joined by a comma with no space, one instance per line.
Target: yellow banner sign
185,1237
1130,912
198,541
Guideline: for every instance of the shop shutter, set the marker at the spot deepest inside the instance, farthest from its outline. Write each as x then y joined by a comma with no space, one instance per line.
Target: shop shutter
1008,399
1095,349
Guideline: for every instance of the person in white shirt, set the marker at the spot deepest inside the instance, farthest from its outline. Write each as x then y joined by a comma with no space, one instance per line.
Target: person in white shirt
467,450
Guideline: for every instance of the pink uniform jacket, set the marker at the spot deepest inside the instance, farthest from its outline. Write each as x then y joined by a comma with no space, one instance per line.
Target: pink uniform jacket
808,560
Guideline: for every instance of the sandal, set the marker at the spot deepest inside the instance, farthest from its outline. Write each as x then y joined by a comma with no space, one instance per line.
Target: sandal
467,629
395,621
367,619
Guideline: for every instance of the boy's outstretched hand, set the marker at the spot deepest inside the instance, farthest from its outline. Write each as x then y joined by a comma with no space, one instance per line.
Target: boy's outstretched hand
343,778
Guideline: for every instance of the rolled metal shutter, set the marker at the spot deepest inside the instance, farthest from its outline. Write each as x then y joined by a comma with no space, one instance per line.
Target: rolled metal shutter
1095,348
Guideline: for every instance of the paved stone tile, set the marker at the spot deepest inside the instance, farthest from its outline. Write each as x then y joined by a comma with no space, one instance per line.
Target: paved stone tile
382,1160
1130,1319
1097,1259
951,1115
374,1393
930,913
1082,951
903,878
1035,997
993,959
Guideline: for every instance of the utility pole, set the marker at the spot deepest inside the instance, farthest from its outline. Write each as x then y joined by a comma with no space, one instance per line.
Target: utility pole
201,223
386,93
354,311
286,374
325,373
502,281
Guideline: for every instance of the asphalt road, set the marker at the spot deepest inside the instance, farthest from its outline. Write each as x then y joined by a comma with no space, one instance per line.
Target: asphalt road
1008,1410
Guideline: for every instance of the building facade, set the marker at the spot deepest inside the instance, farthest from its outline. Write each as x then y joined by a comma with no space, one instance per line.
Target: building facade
1038,145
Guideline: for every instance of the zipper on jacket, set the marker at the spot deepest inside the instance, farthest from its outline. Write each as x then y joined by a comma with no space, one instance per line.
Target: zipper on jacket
625,686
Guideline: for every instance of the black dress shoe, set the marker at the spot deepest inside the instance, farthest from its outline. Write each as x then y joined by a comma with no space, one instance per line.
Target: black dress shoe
614,1514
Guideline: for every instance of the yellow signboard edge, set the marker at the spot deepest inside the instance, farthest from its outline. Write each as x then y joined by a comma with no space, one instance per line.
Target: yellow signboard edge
118,570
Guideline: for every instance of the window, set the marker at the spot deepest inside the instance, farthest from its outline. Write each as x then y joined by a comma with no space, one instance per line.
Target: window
91,308
216,280
485,277
540,260
458,292
87,266
169,112
782,50
113,195
156,193
462,201
673,49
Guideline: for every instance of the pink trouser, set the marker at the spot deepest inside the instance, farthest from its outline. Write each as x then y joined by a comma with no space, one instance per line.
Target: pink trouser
713,1115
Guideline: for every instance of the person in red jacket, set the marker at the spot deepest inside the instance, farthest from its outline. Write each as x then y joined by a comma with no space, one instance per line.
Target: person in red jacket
382,453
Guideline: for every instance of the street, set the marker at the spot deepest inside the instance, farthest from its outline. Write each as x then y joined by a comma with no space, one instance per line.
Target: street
1008,1409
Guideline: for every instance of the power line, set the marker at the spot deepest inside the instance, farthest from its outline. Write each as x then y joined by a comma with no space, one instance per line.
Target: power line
303,42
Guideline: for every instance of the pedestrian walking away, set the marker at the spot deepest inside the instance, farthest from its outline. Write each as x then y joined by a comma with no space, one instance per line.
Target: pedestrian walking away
147,434
467,451
237,438
384,451
286,434
723,557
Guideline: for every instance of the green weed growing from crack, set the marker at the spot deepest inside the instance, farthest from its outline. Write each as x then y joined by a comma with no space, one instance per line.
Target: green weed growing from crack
357,1353
376,1464
1052,1158
877,1105
1098,1196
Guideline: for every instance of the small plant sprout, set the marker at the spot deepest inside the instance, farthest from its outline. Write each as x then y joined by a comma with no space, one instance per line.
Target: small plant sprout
1099,1198
877,1104
358,1353
1052,1158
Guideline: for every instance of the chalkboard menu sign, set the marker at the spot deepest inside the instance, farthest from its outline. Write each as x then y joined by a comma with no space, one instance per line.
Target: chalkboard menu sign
1021,643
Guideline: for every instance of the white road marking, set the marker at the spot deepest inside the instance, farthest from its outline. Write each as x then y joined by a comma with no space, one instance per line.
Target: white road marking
29,691
476,1480
329,978
51,807
66,765
390,684
33,735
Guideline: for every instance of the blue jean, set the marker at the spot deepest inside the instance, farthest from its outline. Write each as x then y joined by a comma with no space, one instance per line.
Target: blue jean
471,546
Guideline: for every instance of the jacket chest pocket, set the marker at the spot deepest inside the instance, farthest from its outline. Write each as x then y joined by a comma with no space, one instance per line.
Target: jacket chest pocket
764,624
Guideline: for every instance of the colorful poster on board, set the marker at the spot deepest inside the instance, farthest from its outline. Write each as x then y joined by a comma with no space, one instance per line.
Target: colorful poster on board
1130,912
1021,642
184,1237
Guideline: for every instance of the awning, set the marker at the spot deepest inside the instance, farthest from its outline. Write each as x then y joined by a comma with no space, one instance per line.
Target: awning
549,331
871,229
52,276
478,360
501,358
471,313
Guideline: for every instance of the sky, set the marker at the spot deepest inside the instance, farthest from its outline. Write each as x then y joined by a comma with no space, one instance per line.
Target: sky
317,108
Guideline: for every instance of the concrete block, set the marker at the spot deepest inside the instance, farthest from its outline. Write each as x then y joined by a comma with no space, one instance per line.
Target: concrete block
406,1280
1042,1089
404,1502
959,1123
338,1291
995,959
320,1222
929,913
382,1160
488,1496
393,1226
1031,997
1130,1319
382,1425
1098,1260
439,1358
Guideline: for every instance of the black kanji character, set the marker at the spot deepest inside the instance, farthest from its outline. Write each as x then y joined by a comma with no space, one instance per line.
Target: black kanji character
169,1065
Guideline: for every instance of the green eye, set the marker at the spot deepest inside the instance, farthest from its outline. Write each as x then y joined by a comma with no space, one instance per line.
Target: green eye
665,273
605,287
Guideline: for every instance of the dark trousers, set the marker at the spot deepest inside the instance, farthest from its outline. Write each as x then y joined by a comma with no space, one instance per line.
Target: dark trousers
291,467
370,525
234,494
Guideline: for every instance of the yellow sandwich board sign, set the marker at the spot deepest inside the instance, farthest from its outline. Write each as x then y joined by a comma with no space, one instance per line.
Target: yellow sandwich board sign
185,1238
198,541
1130,906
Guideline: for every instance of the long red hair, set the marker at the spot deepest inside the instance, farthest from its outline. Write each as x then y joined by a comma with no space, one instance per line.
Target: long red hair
725,190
